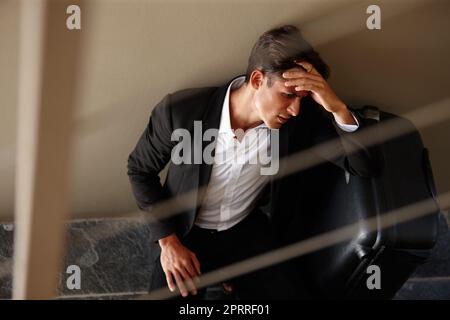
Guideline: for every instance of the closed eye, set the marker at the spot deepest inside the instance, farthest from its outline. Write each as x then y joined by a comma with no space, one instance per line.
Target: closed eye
289,95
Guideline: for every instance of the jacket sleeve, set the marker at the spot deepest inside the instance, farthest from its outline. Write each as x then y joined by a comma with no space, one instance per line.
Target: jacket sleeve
146,161
365,162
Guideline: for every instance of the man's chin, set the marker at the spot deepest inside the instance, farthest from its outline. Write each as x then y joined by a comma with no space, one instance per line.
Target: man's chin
274,125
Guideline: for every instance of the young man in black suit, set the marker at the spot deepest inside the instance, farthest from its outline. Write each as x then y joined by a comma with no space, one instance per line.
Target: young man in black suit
242,213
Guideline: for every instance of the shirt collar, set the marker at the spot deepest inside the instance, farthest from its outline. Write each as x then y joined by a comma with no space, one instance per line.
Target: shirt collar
225,123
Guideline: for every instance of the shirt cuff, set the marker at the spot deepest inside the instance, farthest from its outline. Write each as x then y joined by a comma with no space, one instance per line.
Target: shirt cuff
349,127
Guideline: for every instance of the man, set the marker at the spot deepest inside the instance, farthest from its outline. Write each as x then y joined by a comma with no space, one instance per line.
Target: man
284,88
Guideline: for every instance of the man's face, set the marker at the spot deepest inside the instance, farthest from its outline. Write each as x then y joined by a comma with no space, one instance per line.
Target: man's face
276,104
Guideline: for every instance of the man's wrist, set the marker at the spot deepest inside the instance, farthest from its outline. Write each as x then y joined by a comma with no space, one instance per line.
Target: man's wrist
344,116
168,240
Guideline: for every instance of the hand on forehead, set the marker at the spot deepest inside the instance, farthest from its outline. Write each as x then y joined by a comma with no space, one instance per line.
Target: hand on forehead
303,67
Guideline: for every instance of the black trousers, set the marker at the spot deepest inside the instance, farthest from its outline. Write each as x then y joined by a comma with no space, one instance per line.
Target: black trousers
250,237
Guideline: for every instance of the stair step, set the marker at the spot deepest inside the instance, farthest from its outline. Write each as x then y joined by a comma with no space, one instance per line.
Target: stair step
425,289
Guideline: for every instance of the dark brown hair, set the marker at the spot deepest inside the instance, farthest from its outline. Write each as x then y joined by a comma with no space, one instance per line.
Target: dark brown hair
277,49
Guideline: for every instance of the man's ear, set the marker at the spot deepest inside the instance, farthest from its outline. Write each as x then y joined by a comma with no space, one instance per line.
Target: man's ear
257,79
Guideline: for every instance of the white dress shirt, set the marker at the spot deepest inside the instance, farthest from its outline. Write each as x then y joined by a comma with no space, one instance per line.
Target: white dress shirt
236,181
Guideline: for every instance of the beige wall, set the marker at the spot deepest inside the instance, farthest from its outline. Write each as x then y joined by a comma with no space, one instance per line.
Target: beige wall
137,51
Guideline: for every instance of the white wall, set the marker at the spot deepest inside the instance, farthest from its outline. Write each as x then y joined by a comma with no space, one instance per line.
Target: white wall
137,51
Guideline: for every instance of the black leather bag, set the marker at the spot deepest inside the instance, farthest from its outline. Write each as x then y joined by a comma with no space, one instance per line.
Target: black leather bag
340,199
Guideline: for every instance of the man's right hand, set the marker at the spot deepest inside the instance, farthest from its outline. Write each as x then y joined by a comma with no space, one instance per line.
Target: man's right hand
179,264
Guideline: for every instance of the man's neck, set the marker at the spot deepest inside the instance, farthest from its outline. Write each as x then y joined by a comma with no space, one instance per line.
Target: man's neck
242,112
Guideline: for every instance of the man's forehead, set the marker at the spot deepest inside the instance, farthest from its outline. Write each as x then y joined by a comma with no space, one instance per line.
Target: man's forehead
278,85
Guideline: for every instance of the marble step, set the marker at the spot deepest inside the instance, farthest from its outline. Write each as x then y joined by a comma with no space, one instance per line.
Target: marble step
437,288
431,280
113,257
438,264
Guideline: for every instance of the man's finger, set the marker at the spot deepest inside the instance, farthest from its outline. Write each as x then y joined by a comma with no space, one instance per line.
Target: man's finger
308,87
190,269
169,280
180,284
303,82
308,66
294,74
196,264
189,282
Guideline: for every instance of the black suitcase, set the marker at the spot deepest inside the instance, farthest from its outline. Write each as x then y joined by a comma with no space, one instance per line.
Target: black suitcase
347,270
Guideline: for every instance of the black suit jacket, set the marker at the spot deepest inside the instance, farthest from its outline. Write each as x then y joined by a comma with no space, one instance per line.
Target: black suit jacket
180,109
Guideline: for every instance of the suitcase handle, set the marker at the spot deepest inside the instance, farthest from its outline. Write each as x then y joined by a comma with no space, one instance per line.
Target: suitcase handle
429,173
370,112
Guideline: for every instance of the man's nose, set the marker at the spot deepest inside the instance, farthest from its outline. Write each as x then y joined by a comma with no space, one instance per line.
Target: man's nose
294,108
